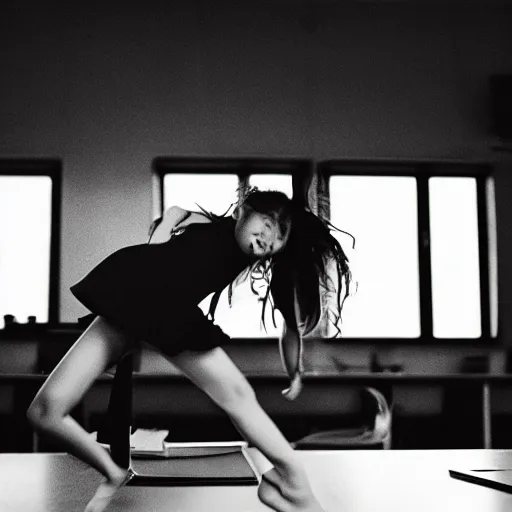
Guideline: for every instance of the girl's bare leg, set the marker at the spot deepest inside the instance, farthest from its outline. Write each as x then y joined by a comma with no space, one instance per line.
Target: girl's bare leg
100,346
286,487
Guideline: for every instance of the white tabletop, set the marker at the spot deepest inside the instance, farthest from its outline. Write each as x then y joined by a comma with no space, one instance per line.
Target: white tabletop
344,481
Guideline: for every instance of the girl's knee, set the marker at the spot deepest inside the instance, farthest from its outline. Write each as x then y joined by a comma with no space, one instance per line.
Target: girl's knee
43,411
35,414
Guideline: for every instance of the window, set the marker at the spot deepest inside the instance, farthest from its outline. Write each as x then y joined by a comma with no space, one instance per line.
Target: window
455,258
213,184
280,182
213,192
421,256
380,212
29,240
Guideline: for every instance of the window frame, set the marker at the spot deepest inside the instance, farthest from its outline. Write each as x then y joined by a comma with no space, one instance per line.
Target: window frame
422,172
53,169
300,169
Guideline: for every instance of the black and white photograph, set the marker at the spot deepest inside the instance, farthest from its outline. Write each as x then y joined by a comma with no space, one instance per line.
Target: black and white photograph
256,255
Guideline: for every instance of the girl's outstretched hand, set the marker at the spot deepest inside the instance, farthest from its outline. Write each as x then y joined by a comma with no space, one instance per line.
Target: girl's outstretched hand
295,388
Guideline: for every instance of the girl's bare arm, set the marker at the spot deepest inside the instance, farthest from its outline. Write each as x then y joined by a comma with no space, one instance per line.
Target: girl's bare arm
291,349
175,217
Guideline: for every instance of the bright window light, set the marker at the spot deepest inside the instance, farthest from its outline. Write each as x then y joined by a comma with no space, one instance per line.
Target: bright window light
493,255
381,213
280,182
213,192
455,258
243,318
25,231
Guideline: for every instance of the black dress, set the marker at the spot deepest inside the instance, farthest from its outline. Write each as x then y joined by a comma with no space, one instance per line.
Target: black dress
151,291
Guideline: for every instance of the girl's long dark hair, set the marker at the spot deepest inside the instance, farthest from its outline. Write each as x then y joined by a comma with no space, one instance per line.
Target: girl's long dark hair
314,261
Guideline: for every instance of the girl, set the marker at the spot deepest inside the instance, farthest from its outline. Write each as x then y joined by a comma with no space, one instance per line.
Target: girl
150,292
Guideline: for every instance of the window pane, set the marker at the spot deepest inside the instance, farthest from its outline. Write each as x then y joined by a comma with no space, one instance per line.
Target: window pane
381,213
280,182
213,192
493,255
25,210
455,260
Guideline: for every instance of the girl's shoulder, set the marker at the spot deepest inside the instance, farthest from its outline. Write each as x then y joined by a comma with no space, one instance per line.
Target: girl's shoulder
198,218
204,223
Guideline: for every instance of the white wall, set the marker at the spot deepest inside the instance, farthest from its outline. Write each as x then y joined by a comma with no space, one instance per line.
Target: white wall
107,89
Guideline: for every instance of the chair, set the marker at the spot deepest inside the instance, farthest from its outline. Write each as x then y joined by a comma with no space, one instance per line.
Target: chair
375,433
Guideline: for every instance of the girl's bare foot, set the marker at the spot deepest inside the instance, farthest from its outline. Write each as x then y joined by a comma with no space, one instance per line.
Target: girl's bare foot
107,490
288,490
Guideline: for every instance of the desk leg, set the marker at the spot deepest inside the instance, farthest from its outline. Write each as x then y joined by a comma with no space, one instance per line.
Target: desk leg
486,414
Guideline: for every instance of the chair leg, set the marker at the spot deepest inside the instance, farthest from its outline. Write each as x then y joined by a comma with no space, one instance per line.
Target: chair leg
120,412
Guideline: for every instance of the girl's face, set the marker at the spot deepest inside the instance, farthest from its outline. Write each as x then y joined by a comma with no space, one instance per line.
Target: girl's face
258,234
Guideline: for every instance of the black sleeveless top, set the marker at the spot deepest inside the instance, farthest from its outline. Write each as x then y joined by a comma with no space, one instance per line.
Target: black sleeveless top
151,291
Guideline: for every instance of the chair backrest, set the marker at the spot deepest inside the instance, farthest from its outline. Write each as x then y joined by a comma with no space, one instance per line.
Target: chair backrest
383,416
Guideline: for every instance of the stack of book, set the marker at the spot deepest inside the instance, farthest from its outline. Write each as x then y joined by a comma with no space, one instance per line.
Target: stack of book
160,462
